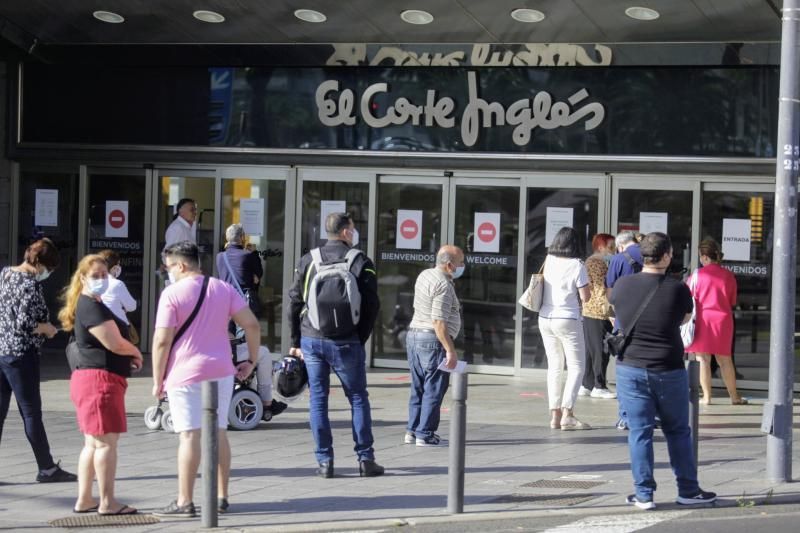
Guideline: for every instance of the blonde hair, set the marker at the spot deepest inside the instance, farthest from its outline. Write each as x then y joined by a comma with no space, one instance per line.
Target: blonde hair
71,293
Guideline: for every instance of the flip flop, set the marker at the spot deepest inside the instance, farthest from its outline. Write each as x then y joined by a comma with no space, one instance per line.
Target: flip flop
124,510
84,511
740,401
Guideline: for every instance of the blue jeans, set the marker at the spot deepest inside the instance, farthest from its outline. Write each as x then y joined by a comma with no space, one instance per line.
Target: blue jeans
643,395
428,385
347,359
21,376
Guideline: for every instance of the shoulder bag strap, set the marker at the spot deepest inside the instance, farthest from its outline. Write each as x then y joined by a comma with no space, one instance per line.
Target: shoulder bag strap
196,310
231,274
644,305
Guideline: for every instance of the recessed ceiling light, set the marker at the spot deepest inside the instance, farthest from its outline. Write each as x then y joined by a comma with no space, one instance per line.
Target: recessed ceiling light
108,16
309,15
208,16
527,15
416,16
642,13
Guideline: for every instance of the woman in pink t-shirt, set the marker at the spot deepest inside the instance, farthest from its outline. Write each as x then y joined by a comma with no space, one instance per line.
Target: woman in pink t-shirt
714,294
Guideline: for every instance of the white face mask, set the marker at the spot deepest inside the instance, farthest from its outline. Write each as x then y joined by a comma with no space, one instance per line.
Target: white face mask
355,237
97,286
116,271
43,275
171,277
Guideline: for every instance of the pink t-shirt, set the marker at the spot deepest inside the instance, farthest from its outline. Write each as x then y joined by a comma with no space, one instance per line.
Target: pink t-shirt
203,352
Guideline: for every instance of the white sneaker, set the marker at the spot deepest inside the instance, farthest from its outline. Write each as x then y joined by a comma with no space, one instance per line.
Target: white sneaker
409,438
641,504
604,394
583,391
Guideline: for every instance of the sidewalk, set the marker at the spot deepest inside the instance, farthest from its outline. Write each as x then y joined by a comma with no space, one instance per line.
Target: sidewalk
515,464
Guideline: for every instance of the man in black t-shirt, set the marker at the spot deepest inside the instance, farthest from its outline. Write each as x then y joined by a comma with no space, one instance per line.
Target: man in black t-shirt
651,377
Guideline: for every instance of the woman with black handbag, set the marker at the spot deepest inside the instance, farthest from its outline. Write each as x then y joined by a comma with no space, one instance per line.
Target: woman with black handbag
651,378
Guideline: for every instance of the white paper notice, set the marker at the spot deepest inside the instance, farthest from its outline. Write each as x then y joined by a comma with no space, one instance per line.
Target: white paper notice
650,222
251,216
326,208
461,366
557,218
736,239
46,210
409,229
117,219
487,233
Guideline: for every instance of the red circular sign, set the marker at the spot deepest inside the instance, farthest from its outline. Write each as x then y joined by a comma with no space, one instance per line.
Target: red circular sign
487,232
116,219
408,229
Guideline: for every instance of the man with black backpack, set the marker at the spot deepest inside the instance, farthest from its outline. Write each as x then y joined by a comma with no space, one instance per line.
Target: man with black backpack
332,310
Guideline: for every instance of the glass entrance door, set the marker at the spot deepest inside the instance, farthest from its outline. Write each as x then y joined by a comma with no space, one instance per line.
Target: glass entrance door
643,205
256,199
411,215
118,220
552,203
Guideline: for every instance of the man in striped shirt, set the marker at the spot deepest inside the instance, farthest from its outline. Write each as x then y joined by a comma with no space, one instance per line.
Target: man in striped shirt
436,323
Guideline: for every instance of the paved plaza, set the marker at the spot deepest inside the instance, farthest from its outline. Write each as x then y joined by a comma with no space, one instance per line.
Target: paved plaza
515,465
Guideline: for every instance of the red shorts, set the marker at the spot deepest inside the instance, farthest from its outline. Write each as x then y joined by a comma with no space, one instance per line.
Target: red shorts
99,398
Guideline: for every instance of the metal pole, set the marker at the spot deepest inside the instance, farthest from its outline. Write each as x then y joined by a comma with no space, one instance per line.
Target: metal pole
694,405
458,444
777,421
210,454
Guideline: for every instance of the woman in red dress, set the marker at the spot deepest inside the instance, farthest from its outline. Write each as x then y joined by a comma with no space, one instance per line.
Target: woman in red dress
714,293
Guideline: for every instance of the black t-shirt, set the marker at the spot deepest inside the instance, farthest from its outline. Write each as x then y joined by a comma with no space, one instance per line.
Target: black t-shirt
655,342
91,352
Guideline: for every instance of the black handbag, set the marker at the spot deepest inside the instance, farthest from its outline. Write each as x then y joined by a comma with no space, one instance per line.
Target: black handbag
616,342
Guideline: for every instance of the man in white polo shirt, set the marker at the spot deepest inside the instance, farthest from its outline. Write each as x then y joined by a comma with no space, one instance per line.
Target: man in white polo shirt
184,225
436,323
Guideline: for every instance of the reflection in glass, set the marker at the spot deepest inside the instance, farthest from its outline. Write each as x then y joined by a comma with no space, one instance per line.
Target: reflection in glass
356,198
487,290
117,187
269,244
398,268
583,203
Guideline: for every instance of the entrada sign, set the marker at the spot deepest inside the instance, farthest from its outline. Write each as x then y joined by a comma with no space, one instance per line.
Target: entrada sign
526,114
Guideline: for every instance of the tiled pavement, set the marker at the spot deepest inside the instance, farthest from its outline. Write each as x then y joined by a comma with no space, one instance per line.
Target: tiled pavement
508,446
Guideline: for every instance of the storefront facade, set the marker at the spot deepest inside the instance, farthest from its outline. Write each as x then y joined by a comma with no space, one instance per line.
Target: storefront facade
491,156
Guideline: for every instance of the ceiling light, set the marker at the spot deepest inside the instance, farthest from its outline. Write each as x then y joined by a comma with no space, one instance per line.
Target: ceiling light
309,15
527,15
108,16
416,16
642,13
208,16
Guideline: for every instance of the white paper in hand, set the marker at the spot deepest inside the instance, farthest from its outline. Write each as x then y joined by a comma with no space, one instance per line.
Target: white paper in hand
461,367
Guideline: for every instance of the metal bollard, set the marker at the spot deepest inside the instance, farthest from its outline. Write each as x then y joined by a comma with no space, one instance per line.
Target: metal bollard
210,432
694,404
458,443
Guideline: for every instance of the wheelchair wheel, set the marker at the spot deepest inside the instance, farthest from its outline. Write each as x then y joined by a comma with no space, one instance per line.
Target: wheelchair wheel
166,422
246,410
152,417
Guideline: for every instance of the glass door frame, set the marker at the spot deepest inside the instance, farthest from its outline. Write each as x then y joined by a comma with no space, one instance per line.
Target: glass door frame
655,182
444,229
338,175
270,173
493,179
148,304
553,180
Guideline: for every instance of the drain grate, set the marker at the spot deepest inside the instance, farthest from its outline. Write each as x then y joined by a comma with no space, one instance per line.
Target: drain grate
545,499
95,520
562,484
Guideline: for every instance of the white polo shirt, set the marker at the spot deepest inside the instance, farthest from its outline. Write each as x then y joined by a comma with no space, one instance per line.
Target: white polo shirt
179,231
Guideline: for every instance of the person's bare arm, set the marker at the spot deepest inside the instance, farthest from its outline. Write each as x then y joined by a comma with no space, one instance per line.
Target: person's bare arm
440,327
246,320
112,340
162,344
585,293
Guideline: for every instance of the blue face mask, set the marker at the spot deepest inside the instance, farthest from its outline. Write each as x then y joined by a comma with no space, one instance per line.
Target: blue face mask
97,286
459,271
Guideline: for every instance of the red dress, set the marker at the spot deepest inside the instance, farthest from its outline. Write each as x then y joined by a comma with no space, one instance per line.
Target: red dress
714,296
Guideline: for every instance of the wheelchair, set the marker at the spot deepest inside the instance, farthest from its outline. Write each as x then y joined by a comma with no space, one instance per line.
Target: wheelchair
245,411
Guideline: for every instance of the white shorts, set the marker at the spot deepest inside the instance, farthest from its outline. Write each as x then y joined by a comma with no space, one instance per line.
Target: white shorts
186,405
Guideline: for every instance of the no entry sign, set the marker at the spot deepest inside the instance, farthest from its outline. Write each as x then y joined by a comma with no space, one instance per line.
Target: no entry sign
487,233
117,219
409,229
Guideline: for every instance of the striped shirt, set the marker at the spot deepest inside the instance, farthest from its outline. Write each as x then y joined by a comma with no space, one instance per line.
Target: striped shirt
435,299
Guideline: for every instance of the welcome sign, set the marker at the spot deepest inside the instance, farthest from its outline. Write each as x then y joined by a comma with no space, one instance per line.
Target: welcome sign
337,107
